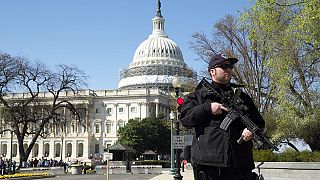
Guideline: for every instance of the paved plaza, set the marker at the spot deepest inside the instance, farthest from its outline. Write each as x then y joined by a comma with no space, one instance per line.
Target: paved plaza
187,175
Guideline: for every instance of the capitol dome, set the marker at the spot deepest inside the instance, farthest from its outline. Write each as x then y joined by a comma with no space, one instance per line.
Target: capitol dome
157,50
156,61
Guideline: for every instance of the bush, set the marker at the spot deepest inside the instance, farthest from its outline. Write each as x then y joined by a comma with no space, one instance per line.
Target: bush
264,156
316,156
287,156
306,156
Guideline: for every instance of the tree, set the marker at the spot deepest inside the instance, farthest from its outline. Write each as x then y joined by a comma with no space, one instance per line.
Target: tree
289,30
231,38
277,43
31,101
148,134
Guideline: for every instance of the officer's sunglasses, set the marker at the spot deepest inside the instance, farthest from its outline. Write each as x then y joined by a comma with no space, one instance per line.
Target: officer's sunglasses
225,66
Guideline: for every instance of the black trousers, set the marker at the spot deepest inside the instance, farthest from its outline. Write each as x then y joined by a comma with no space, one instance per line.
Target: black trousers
203,172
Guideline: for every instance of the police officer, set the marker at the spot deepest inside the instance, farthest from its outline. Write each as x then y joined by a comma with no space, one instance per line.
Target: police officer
215,153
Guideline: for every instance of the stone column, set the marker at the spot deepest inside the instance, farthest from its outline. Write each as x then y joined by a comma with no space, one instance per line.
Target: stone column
74,149
52,149
116,117
1,143
41,149
139,104
86,149
85,129
63,148
157,109
147,109
128,108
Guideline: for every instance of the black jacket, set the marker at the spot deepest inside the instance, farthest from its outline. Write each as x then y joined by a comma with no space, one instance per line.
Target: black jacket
211,145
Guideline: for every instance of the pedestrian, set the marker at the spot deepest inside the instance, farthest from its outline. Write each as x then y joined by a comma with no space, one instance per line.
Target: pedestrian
1,166
215,153
65,167
14,167
85,168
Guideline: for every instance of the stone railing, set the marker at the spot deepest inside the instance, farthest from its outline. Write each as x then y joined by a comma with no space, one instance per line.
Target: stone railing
288,170
112,170
146,169
50,170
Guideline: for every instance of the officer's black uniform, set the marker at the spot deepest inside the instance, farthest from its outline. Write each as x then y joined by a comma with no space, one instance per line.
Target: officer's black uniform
215,154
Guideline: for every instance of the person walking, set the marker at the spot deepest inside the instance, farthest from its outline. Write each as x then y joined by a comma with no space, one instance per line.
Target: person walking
215,153
1,166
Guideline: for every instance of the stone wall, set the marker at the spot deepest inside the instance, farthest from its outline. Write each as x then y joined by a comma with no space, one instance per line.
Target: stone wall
289,170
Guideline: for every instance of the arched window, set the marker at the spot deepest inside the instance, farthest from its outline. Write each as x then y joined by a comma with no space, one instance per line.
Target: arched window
69,149
35,150
58,150
15,150
80,149
46,149
4,150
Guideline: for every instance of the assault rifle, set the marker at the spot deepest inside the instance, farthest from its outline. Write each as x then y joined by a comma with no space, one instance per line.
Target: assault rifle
236,112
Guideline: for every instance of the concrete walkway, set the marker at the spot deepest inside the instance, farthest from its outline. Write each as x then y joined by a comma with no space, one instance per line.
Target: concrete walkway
187,175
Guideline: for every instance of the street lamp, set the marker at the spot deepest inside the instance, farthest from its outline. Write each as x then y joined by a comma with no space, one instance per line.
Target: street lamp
172,118
11,148
176,83
61,148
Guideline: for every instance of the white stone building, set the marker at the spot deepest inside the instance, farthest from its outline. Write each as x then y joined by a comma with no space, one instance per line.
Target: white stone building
143,91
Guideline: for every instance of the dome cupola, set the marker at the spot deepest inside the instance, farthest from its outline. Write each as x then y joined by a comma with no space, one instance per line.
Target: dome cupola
156,61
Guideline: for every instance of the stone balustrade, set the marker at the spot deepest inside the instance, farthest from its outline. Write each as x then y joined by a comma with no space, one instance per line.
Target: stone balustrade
146,169
50,170
289,170
112,169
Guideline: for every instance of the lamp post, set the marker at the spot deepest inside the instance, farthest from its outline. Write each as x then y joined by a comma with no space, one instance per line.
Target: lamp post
61,151
11,148
172,118
176,83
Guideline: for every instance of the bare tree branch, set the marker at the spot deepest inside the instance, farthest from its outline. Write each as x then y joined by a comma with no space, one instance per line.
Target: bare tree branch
28,113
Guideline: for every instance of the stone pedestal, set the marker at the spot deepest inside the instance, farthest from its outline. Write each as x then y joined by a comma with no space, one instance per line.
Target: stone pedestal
76,169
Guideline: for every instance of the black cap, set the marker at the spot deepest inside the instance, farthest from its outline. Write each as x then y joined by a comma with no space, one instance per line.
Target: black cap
219,58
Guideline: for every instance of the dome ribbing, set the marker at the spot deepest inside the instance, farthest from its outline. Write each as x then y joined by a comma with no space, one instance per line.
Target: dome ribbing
156,61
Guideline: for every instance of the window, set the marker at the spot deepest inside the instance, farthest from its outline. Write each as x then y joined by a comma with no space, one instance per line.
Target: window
96,148
133,109
109,110
121,110
121,125
73,128
108,146
97,110
58,117
56,127
108,128
97,127
14,151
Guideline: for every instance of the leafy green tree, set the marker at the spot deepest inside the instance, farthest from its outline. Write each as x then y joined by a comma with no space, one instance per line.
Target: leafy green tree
24,108
289,30
148,134
277,43
230,36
